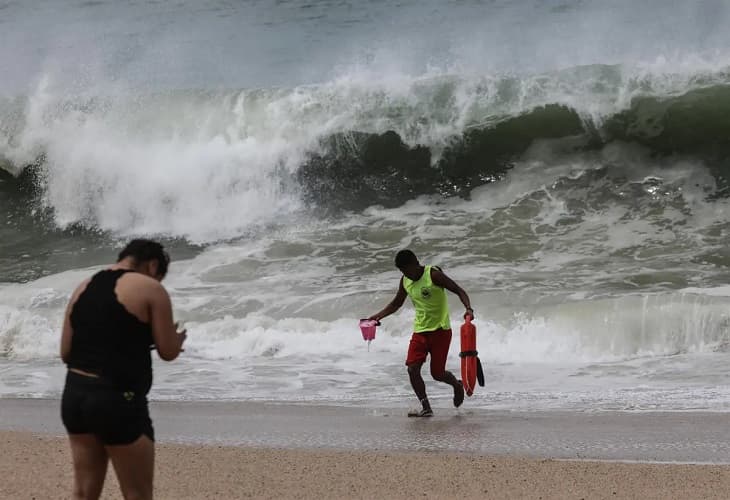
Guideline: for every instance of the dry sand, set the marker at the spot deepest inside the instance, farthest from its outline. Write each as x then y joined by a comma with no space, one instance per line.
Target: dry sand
38,466
260,450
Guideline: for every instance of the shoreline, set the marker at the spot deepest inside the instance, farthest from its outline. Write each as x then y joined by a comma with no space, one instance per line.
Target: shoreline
262,450
672,438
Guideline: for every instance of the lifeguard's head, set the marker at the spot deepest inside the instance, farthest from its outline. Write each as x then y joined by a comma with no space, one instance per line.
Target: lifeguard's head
407,262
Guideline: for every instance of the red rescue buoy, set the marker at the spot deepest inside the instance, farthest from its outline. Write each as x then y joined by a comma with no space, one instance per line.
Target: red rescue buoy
471,367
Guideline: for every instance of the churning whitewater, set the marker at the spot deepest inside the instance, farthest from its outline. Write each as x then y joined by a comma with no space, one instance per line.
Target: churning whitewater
579,192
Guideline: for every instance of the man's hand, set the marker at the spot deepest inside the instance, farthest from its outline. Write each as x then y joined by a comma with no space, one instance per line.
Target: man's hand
182,335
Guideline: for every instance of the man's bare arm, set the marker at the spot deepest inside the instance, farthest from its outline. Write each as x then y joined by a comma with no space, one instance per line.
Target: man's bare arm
167,340
393,305
67,330
440,279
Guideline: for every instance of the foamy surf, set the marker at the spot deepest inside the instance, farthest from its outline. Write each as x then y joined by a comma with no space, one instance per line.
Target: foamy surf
575,184
171,163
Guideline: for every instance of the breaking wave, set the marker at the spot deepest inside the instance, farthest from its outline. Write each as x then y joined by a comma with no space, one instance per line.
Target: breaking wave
210,165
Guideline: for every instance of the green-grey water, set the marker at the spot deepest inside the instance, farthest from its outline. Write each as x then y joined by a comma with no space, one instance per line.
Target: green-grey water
566,162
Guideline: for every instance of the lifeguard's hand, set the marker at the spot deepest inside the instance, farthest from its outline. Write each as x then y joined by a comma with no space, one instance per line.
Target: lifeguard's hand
376,318
469,312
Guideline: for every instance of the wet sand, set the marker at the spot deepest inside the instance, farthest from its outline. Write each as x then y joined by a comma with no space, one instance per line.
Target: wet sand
246,450
691,437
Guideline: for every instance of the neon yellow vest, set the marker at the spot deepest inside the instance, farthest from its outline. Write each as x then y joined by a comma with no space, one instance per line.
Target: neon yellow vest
432,307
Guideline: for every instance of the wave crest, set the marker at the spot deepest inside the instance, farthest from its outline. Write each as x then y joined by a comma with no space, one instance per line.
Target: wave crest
210,165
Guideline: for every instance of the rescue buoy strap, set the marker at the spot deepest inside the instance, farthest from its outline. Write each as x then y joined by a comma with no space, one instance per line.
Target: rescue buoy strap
464,354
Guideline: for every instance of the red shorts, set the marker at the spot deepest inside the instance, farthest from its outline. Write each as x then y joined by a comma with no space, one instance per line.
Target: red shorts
434,343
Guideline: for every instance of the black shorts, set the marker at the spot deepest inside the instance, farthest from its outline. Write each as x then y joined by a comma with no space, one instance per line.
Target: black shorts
93,406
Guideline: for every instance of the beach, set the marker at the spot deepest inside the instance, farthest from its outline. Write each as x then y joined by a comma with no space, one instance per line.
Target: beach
566,163
42,469
254,450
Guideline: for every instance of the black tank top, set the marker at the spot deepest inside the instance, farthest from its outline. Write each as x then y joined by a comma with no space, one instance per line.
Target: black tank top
107,339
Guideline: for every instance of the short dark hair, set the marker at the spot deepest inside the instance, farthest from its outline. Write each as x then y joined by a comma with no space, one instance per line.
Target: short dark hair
142,250
404,258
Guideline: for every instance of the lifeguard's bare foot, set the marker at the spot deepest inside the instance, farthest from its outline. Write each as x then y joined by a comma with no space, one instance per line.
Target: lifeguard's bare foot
425,412
458,394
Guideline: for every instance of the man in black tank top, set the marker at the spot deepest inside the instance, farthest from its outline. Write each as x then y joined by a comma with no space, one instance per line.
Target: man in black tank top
112,322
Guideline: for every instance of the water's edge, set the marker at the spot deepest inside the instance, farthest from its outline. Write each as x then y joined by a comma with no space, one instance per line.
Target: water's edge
683,437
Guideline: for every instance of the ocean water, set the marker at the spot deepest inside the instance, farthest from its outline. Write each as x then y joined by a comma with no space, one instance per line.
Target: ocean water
566,162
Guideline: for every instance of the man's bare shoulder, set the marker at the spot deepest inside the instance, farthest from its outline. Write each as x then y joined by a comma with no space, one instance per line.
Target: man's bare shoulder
438,277
436,272
142,282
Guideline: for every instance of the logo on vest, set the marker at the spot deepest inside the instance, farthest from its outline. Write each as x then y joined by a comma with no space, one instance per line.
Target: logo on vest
425,292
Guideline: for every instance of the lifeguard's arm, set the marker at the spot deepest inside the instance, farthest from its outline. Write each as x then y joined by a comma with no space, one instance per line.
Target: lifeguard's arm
440,279
67,330
168,341
394,304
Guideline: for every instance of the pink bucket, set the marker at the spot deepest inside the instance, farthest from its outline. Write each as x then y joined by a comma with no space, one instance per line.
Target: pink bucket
367,327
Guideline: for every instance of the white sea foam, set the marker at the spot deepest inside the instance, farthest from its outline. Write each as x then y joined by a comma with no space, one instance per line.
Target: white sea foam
210,165
596,275
550,354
